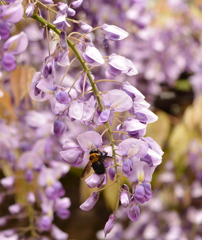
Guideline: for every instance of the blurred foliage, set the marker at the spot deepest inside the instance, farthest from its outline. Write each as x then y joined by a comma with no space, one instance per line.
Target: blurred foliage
20,81
160,130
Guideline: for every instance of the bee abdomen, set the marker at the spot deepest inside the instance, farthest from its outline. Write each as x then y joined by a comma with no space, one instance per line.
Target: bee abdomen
98,167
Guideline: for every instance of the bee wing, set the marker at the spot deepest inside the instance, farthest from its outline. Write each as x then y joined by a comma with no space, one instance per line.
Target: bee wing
107,159
86,170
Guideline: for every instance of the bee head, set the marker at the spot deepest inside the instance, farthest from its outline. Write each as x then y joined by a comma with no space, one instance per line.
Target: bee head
94,151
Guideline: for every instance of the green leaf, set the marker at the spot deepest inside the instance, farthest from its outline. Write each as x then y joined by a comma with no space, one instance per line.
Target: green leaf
111,195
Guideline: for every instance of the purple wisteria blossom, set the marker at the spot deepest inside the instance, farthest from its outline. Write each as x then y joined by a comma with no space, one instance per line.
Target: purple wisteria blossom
37,163
101,127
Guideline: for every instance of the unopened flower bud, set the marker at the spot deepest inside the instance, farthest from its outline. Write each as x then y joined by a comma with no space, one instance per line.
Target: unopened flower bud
86,28
109,224
63,40
62,97
59,127
7,182
45,223
29,10
70,12
14,209
125,196
31,197
76,3
8,62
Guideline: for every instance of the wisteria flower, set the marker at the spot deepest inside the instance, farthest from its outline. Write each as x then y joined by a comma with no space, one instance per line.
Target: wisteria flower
12,13
119,64
117,100
93,56
114,33
16,44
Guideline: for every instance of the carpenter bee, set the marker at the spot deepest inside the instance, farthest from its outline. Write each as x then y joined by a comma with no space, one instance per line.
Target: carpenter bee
96,161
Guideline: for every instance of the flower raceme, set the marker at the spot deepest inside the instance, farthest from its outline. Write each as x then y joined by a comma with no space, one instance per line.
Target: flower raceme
73,89
9,15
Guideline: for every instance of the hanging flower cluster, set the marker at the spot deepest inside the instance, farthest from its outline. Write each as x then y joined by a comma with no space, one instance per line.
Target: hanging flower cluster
122,150
33,178
13,46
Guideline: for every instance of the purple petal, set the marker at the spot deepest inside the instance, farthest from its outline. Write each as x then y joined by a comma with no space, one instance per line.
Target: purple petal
63,40
58,234
113,32
139,194
154,152
62,59
133,212
71,155
125,196
62,7
86,28
89,140
118,100
14,209
79,85
47,1
30,160
112,173
144,115
109,224
35,93
131,125
133,92
82,111
94,180
7,182
109,74
31,197
132,70
60,21
62,97
104,116
132,147
12,13
114,71
148,190
4,30
118,62
76,4
94,55
141,172
45,223
90,202
8,62
16,44
70,12
30,10
62,203
59,127
127,167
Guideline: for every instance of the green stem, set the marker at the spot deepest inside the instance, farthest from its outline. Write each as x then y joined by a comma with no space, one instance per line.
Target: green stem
93,85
